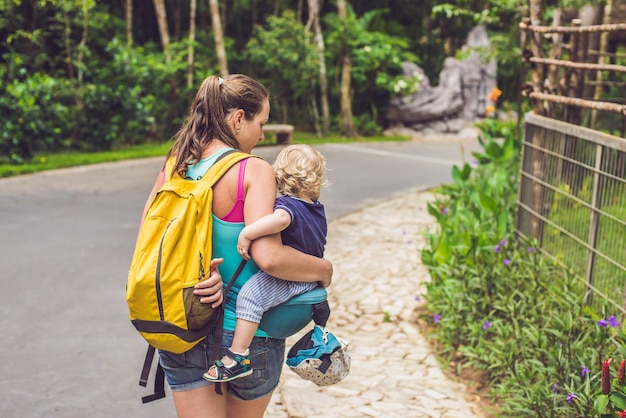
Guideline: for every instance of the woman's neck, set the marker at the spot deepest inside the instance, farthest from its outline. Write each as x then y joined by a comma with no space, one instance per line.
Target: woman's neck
212,148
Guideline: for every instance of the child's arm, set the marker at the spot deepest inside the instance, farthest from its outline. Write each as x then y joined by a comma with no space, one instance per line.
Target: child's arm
267,225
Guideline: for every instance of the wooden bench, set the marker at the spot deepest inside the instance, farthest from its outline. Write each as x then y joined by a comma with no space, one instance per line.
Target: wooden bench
284,133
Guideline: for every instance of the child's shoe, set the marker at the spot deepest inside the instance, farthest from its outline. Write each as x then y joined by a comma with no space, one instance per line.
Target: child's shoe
223,373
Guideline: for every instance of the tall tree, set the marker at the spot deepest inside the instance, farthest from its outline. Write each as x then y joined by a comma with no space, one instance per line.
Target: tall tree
345,102
314,20
129,21
82,46
161,14
218,35
192,39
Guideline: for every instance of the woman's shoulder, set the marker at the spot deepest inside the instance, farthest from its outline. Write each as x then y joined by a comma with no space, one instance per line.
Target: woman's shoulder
259,165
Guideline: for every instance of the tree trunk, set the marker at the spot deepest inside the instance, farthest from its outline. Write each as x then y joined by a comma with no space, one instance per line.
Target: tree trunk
602,48
255,13
219,37
129,22
176,18
314,18
591,15
345,102
83,41
192,39
161,14
68,43
299,10
535,45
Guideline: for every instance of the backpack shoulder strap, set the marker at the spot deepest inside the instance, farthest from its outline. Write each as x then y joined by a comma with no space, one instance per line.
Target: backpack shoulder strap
223,164
217,170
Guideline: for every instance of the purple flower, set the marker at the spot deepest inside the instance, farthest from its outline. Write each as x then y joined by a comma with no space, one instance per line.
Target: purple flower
444,211
436,318
555,388
531,249
571,396
613,321
506,261
585,371
475,162
486,325
497,248
603,323
417,298
503,242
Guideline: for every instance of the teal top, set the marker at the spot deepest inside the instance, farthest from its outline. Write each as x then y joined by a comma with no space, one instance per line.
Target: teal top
225,235
199,169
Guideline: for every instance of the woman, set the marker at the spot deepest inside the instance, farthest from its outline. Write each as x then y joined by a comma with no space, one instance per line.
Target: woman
228,114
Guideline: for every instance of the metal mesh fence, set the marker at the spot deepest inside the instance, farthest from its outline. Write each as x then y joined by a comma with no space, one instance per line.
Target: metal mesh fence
572,200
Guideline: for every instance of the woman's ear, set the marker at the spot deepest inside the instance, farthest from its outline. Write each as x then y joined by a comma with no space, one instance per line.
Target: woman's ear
238,118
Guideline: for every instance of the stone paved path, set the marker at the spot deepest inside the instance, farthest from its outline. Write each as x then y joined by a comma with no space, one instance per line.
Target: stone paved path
378,274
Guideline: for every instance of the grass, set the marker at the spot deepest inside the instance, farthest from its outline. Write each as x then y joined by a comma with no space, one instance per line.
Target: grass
44,162
575,219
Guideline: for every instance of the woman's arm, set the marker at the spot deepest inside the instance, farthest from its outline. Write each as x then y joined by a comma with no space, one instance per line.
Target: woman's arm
269,252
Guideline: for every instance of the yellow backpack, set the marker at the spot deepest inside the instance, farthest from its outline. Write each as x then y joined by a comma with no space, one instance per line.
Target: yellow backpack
172,254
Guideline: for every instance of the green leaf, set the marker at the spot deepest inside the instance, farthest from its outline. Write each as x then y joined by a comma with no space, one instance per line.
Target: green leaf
600,404
457,176
444,250
503,219
619,400
494,150
488,203
435,212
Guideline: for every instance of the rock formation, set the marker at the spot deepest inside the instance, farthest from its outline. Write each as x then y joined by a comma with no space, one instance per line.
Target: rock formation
460,98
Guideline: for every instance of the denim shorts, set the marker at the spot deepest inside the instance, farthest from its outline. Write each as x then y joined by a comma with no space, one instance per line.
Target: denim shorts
184,371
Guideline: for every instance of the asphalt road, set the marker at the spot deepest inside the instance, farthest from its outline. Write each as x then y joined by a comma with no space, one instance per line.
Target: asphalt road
67,348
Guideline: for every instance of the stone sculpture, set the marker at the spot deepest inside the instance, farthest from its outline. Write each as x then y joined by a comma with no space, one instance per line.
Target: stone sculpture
460,98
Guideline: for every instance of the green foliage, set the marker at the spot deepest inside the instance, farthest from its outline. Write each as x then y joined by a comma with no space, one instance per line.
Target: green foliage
281,65
78,43
121,102
35,115
376,60
504,308
124,99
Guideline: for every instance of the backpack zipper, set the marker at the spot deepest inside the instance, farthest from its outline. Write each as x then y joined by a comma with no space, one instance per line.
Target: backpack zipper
158,273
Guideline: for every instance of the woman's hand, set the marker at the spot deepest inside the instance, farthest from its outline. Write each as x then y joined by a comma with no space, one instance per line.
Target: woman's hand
211,288
328,277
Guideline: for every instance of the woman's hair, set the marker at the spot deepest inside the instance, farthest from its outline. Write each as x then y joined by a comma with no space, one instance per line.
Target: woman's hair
206,121
300,171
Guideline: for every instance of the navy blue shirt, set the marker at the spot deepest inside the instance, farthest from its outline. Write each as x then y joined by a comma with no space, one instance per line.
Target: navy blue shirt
308,228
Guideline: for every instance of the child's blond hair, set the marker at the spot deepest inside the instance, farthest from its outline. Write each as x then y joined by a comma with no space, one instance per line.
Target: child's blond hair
300,171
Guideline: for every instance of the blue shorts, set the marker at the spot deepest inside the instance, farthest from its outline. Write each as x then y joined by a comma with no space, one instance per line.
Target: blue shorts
184,371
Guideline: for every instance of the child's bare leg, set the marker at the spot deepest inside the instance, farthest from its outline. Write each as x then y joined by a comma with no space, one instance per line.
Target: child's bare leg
244,333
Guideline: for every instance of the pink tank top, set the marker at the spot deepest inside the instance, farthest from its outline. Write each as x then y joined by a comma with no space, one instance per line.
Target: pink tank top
236,213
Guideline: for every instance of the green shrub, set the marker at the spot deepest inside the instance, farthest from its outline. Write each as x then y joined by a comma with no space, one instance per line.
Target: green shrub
36,115
498,305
